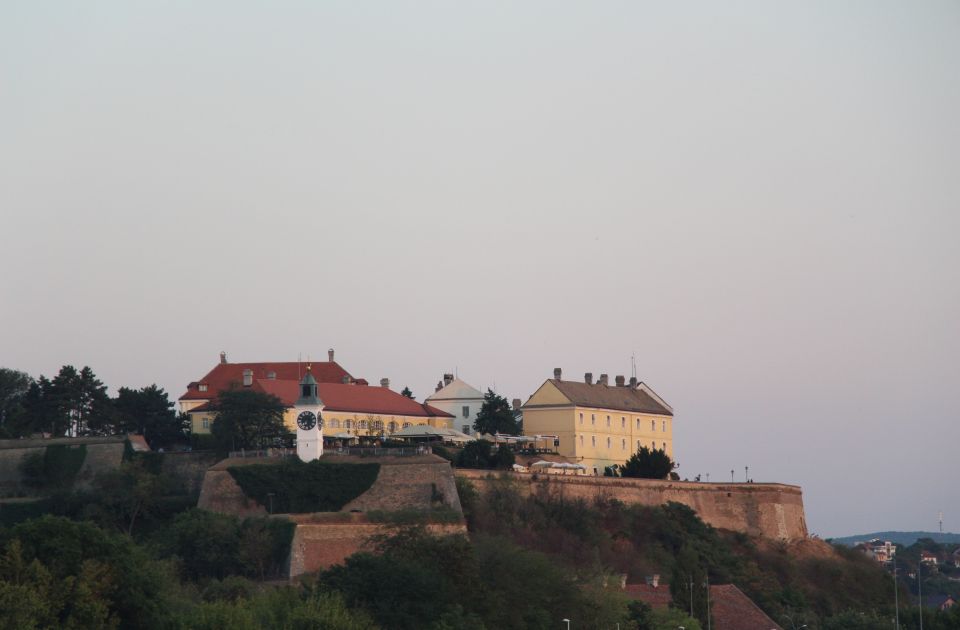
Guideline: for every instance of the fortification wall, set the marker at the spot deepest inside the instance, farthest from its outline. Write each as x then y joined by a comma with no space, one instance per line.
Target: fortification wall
403,483
322,540
770,510
103,454
188,468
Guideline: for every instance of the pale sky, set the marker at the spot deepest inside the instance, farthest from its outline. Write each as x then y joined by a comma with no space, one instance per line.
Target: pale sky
761,200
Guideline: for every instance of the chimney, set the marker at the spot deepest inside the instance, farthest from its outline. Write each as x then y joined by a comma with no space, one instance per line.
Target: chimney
516,403
654,580
603,379
385,382
556,373
439,386
223,356
247,378
633,382
619,380
588,378
330,355
447,379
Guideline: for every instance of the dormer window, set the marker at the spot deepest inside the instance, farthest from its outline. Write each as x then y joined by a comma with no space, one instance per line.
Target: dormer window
203,387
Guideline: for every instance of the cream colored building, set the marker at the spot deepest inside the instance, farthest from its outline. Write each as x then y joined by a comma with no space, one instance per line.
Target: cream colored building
458,398
599,424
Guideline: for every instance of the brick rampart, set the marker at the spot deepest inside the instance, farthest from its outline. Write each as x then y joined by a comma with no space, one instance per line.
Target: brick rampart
322,540
188,468
770,510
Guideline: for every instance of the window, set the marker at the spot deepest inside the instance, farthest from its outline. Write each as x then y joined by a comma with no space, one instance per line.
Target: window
581,418
407,424
203,387
205,423
334,423
638,424
638,445
347,424
653,426
593,440
361,424
623,423
664,447
466,412
581,440
608,442
664,426
653,446
623,444
466,429
608,421
377,425
392,426
593,418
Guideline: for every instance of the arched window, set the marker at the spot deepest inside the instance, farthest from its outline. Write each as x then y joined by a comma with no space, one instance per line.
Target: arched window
608,421
653,425
361,424
593,440
653,446
581,440
623,422
377,425
608,442
334,423
623,444
348,424
406,424
638,424
664,426
581,417
593,418
392,426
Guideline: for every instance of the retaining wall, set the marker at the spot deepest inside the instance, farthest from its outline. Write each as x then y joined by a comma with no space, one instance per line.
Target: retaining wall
103,454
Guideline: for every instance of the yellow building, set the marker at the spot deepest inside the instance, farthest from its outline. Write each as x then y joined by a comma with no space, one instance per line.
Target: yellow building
352,407
597,424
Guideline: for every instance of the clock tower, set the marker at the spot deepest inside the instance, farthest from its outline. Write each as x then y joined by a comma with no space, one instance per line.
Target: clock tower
309,419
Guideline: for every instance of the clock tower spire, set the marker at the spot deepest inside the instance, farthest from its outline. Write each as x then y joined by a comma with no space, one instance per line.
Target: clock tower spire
309,419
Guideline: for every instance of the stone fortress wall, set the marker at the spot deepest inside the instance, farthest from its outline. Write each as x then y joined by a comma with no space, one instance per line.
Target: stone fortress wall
103,454
770,510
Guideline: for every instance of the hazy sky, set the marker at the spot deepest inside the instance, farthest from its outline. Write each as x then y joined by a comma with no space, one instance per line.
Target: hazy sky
760,199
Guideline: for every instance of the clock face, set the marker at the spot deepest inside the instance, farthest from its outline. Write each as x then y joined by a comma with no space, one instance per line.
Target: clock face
306,420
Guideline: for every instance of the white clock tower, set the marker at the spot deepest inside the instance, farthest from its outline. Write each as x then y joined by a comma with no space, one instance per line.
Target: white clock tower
309,419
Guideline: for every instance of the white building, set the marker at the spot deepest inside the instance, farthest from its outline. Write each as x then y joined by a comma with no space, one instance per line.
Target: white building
458,398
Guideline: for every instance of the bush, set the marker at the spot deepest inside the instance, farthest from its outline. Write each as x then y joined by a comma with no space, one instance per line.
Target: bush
299,487
55,469
647,464
480,454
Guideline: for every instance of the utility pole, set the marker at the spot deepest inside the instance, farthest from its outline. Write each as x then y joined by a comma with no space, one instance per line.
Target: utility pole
746,473
896,596
731,475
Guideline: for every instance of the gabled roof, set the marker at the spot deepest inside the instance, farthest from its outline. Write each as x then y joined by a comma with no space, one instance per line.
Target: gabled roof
348,398
607,397
223,375
457,390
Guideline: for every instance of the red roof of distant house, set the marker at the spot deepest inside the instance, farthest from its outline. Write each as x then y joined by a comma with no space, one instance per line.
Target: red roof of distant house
732,610
353,398
225,375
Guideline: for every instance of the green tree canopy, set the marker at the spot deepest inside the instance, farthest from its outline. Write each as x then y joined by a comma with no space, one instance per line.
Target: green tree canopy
496,416
480,454
14,386
406,392
647,464
248,419
149,412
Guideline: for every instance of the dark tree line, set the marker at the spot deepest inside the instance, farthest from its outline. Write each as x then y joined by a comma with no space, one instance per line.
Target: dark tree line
76,403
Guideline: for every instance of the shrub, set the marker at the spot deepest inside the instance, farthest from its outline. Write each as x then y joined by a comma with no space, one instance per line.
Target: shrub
299,487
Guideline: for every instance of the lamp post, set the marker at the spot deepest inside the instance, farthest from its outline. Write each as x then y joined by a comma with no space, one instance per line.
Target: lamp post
567,621
746,473
731,475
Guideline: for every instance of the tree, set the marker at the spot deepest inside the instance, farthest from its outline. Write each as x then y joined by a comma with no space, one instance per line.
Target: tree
496,416
128,493
248,419
647,464
14,386
74,403
406,392
149,412
479,454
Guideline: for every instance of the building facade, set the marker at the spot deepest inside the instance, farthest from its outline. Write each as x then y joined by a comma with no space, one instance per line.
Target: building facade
458,398
598,424
351,407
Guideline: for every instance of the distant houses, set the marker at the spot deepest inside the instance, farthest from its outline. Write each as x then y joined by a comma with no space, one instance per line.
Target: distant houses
459,399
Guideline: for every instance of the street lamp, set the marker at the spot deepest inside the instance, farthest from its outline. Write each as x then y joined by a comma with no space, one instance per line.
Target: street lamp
567,621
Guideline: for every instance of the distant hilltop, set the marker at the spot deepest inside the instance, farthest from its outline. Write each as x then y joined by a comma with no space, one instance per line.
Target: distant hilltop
900,538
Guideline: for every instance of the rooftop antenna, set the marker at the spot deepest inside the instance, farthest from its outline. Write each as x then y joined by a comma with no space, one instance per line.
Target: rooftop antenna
633,364
941,521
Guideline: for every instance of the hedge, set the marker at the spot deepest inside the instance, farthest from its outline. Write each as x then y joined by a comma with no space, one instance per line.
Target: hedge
298,487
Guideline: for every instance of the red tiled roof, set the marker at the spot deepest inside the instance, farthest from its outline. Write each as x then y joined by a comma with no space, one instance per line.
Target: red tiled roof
223,375
348,398
732,610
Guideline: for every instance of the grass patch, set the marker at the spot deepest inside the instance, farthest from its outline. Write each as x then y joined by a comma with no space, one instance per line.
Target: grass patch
299,487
